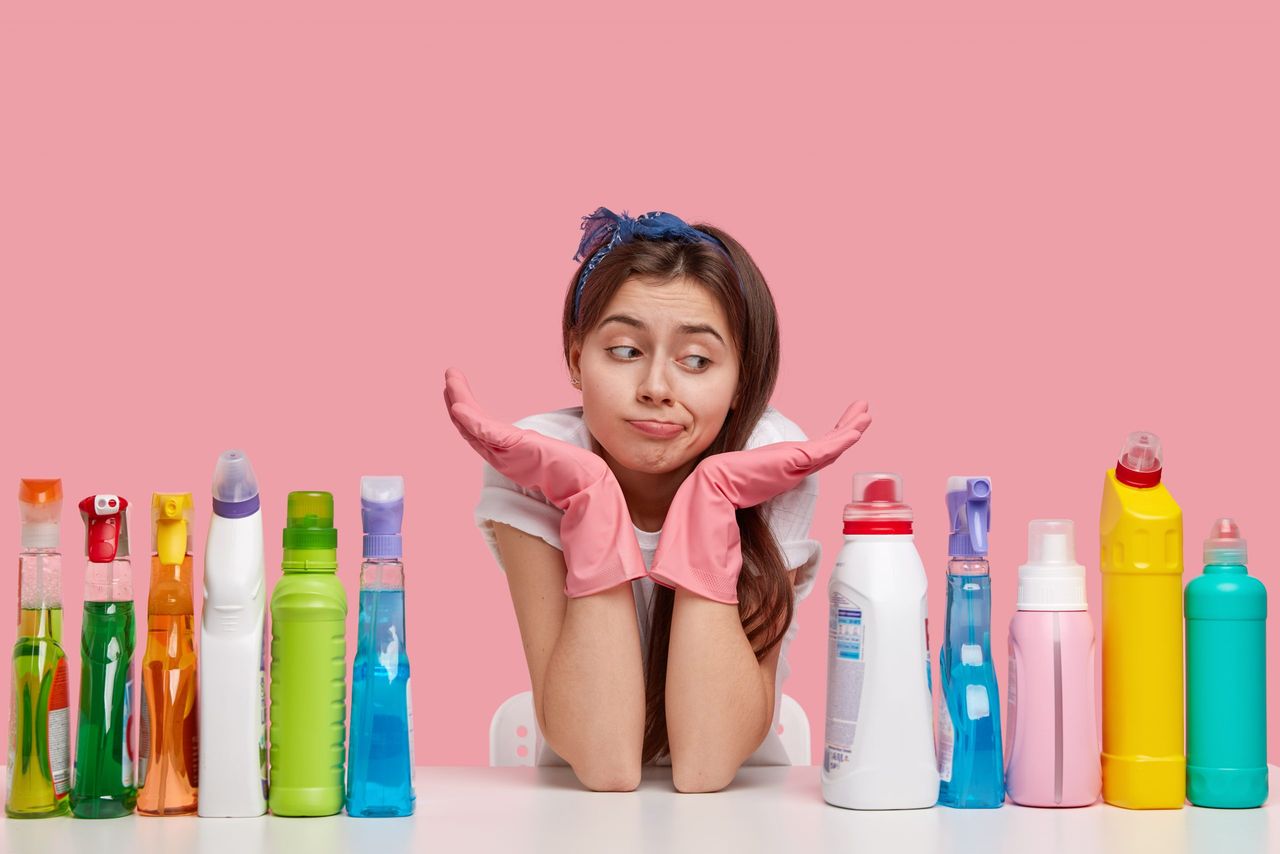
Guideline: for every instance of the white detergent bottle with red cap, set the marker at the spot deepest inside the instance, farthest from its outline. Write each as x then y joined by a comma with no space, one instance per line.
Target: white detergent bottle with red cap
879,752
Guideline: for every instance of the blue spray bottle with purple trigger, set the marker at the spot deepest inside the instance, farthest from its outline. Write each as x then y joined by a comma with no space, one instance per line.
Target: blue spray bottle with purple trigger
380,759
970,755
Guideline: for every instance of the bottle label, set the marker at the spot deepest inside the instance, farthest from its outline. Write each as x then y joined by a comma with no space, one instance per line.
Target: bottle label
126,743
928,665
1057,710
845,673
13,739
408,713
59,732
946,741
191,726
389,655
144,739
262,715
1011,699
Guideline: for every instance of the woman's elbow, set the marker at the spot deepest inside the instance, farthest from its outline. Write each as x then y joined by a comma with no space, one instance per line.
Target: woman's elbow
703,774
602,774
709,768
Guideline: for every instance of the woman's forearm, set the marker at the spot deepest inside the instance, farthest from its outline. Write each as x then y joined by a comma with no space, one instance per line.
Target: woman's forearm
719,697
593,690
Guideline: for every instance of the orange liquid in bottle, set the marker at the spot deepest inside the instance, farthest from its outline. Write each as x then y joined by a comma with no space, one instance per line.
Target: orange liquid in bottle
168,762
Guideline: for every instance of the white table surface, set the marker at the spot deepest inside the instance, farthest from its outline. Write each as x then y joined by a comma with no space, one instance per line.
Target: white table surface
765,809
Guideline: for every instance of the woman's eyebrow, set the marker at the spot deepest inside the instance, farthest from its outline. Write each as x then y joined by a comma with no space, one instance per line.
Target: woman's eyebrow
683,329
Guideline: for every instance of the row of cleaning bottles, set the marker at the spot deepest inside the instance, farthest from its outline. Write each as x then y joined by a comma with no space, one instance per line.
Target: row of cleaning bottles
881,748
202,732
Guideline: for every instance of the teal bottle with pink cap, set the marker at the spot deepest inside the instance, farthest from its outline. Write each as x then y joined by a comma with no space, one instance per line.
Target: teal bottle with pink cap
1226,613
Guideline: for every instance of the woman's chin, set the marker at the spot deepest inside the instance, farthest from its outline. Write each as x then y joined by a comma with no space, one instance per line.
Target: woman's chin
648,460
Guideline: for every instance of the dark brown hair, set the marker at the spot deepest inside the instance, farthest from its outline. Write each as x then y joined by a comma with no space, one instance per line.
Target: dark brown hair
765,595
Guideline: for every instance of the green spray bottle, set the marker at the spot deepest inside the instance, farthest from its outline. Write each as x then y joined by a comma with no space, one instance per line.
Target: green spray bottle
1226,612
103,786
308,665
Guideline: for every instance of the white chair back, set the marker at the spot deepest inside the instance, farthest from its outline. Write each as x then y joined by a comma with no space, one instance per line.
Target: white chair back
514,738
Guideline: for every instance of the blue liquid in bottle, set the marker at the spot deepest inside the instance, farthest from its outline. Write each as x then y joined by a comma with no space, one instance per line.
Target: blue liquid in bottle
380,768
380,755
970,752
970,742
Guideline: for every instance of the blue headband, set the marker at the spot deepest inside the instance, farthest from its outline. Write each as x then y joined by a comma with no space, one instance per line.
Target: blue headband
604,230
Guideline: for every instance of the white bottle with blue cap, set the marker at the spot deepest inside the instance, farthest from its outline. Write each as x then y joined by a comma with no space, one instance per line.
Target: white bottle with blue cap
233,743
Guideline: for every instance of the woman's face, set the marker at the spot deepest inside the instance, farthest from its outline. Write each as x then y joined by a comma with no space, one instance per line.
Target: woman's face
659,374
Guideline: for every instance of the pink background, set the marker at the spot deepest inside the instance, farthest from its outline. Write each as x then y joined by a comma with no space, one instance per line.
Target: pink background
1020,235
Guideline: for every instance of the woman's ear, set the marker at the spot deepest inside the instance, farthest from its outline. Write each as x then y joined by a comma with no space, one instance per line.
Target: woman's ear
575,363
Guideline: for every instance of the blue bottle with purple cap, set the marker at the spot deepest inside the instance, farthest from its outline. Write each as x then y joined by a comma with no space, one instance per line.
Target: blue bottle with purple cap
380,758
970,757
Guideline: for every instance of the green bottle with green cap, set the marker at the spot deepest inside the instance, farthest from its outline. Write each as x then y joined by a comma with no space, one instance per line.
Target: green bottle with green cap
308,664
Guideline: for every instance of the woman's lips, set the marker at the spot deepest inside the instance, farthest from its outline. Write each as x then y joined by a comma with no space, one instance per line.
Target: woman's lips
657,429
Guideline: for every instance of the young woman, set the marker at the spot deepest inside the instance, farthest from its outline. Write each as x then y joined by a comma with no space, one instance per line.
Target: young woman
656,538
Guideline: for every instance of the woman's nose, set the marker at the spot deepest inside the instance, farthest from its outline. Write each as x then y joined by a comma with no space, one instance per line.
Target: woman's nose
656,386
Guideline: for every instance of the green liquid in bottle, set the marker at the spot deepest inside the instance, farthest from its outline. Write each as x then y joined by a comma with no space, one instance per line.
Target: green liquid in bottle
104,785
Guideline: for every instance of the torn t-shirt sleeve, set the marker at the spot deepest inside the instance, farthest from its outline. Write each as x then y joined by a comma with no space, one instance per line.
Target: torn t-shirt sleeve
526,509
790,514
790,518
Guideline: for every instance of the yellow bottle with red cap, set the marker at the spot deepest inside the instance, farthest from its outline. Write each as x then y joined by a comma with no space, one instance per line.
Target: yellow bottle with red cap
1143,755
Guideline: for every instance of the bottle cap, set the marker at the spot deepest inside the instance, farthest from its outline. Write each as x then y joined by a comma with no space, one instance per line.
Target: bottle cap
106,527
310,528
171,526
1141,461
382,513
235,488
877,506
1051,580
40,507
969,508
1224,546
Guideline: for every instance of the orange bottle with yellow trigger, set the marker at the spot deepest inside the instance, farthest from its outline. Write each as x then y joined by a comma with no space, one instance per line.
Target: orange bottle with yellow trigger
167,743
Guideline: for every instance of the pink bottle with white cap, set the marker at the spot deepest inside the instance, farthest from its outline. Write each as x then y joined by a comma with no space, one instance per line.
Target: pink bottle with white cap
1052,757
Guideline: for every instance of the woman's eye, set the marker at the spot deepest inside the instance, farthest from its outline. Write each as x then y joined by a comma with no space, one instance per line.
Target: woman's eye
705,362
622,352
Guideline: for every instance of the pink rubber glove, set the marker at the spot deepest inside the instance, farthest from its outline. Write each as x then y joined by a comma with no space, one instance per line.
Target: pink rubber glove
700,549
599,542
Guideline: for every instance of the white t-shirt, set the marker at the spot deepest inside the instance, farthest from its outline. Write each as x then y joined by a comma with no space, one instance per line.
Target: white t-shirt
789,515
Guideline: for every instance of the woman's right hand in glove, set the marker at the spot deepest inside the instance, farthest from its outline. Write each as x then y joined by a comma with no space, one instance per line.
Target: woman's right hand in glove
599,542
